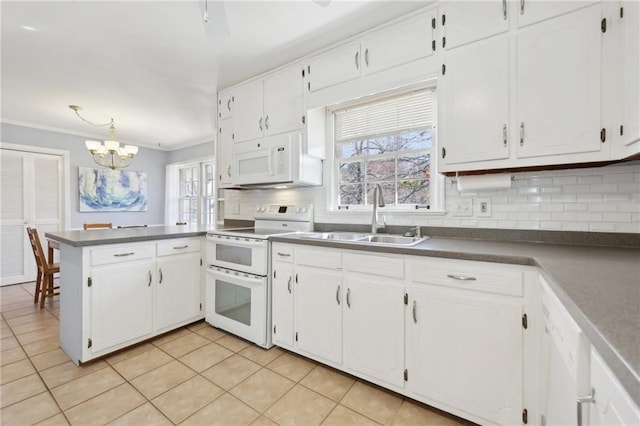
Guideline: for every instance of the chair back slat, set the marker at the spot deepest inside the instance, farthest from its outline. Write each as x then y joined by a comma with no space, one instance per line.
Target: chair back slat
38,252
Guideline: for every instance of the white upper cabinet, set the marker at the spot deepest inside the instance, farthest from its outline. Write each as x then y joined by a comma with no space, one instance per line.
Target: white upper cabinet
225,145
225,104
268,106
389,47
334,67
627,21
532,11
283,101
559,81
399,44
463,22
248,121
474,104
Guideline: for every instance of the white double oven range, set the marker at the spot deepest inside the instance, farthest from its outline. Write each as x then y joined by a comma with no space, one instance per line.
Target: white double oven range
238,282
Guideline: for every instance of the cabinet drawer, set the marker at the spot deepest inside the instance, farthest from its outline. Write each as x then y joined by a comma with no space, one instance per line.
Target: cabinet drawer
124,253
282,252
480,276
320,258
178,246
375,265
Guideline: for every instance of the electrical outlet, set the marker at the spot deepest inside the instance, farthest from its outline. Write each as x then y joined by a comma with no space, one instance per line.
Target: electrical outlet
463,207
483,207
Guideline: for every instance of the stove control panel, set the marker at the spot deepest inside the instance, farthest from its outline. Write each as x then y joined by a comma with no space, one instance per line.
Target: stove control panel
297,212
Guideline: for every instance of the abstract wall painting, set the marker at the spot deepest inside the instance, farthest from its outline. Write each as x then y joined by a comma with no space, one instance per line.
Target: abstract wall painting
106,190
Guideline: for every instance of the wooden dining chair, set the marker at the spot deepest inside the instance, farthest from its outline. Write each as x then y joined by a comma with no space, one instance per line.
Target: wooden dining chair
181,223
132,226
44,279
97,226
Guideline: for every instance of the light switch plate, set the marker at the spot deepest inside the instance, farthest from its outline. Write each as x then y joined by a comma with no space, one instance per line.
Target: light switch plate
482,207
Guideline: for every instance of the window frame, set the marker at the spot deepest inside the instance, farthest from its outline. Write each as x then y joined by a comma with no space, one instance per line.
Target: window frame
437,181
175,198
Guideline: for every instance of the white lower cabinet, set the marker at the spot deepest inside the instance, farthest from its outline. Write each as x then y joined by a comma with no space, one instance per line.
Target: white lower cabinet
464,349
612,405
318,313
119,294
120,304
445,332
374,317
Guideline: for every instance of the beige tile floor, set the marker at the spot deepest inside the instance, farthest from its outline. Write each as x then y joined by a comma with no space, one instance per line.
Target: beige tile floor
197,375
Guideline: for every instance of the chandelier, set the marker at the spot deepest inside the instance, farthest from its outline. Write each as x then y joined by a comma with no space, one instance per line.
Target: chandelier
108,153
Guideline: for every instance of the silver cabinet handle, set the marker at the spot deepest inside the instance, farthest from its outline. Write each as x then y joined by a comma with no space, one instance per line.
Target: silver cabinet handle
284,254
415,314
504,9
161,276
260,123
338,295
461,277
150,279
349,297
580,401
366,57
522,133
289,285
123,254
357,60
229,104
229,171
521,7
180,247
266,122
504,135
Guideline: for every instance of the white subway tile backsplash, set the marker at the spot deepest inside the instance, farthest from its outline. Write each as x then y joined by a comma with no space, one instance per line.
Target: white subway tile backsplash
605,199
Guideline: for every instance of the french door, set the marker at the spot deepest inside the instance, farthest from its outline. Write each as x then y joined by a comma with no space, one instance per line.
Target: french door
31,195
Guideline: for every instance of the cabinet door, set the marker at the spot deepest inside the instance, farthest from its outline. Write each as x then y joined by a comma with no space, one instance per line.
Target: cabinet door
248,121
225,145
463,22
282,304
532,11
337,66
559,79
318,312
225,105
283,101
630,69
464,349
373,327
475,102
398,44
121,303
179,295
612,405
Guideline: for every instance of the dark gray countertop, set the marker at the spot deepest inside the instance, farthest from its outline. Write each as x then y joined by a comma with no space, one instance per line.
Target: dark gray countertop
96,237
599,286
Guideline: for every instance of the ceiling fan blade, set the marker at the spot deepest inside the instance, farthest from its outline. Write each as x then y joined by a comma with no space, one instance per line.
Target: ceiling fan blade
322,3
214,17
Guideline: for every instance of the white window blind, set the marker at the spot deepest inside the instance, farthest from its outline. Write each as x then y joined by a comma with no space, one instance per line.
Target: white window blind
412,111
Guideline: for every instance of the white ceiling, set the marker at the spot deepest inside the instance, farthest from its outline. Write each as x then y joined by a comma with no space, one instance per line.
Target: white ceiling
150,65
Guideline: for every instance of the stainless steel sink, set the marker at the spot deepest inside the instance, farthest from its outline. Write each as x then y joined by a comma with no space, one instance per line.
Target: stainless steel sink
396,240
375,239
334,236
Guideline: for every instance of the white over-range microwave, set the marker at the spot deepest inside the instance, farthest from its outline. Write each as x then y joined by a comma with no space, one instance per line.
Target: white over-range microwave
275,161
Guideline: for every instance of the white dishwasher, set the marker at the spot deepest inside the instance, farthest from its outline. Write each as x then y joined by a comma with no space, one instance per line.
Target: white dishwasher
564,374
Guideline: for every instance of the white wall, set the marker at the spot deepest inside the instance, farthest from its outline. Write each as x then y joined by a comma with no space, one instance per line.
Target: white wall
604,199
151,161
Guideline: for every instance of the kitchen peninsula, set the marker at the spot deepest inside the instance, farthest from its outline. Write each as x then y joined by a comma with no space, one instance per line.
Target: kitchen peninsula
122,286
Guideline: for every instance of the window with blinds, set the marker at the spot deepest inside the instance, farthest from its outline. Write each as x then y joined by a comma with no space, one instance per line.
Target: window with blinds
388,142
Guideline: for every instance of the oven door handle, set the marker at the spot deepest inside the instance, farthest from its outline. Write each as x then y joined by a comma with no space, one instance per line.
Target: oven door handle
251,280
